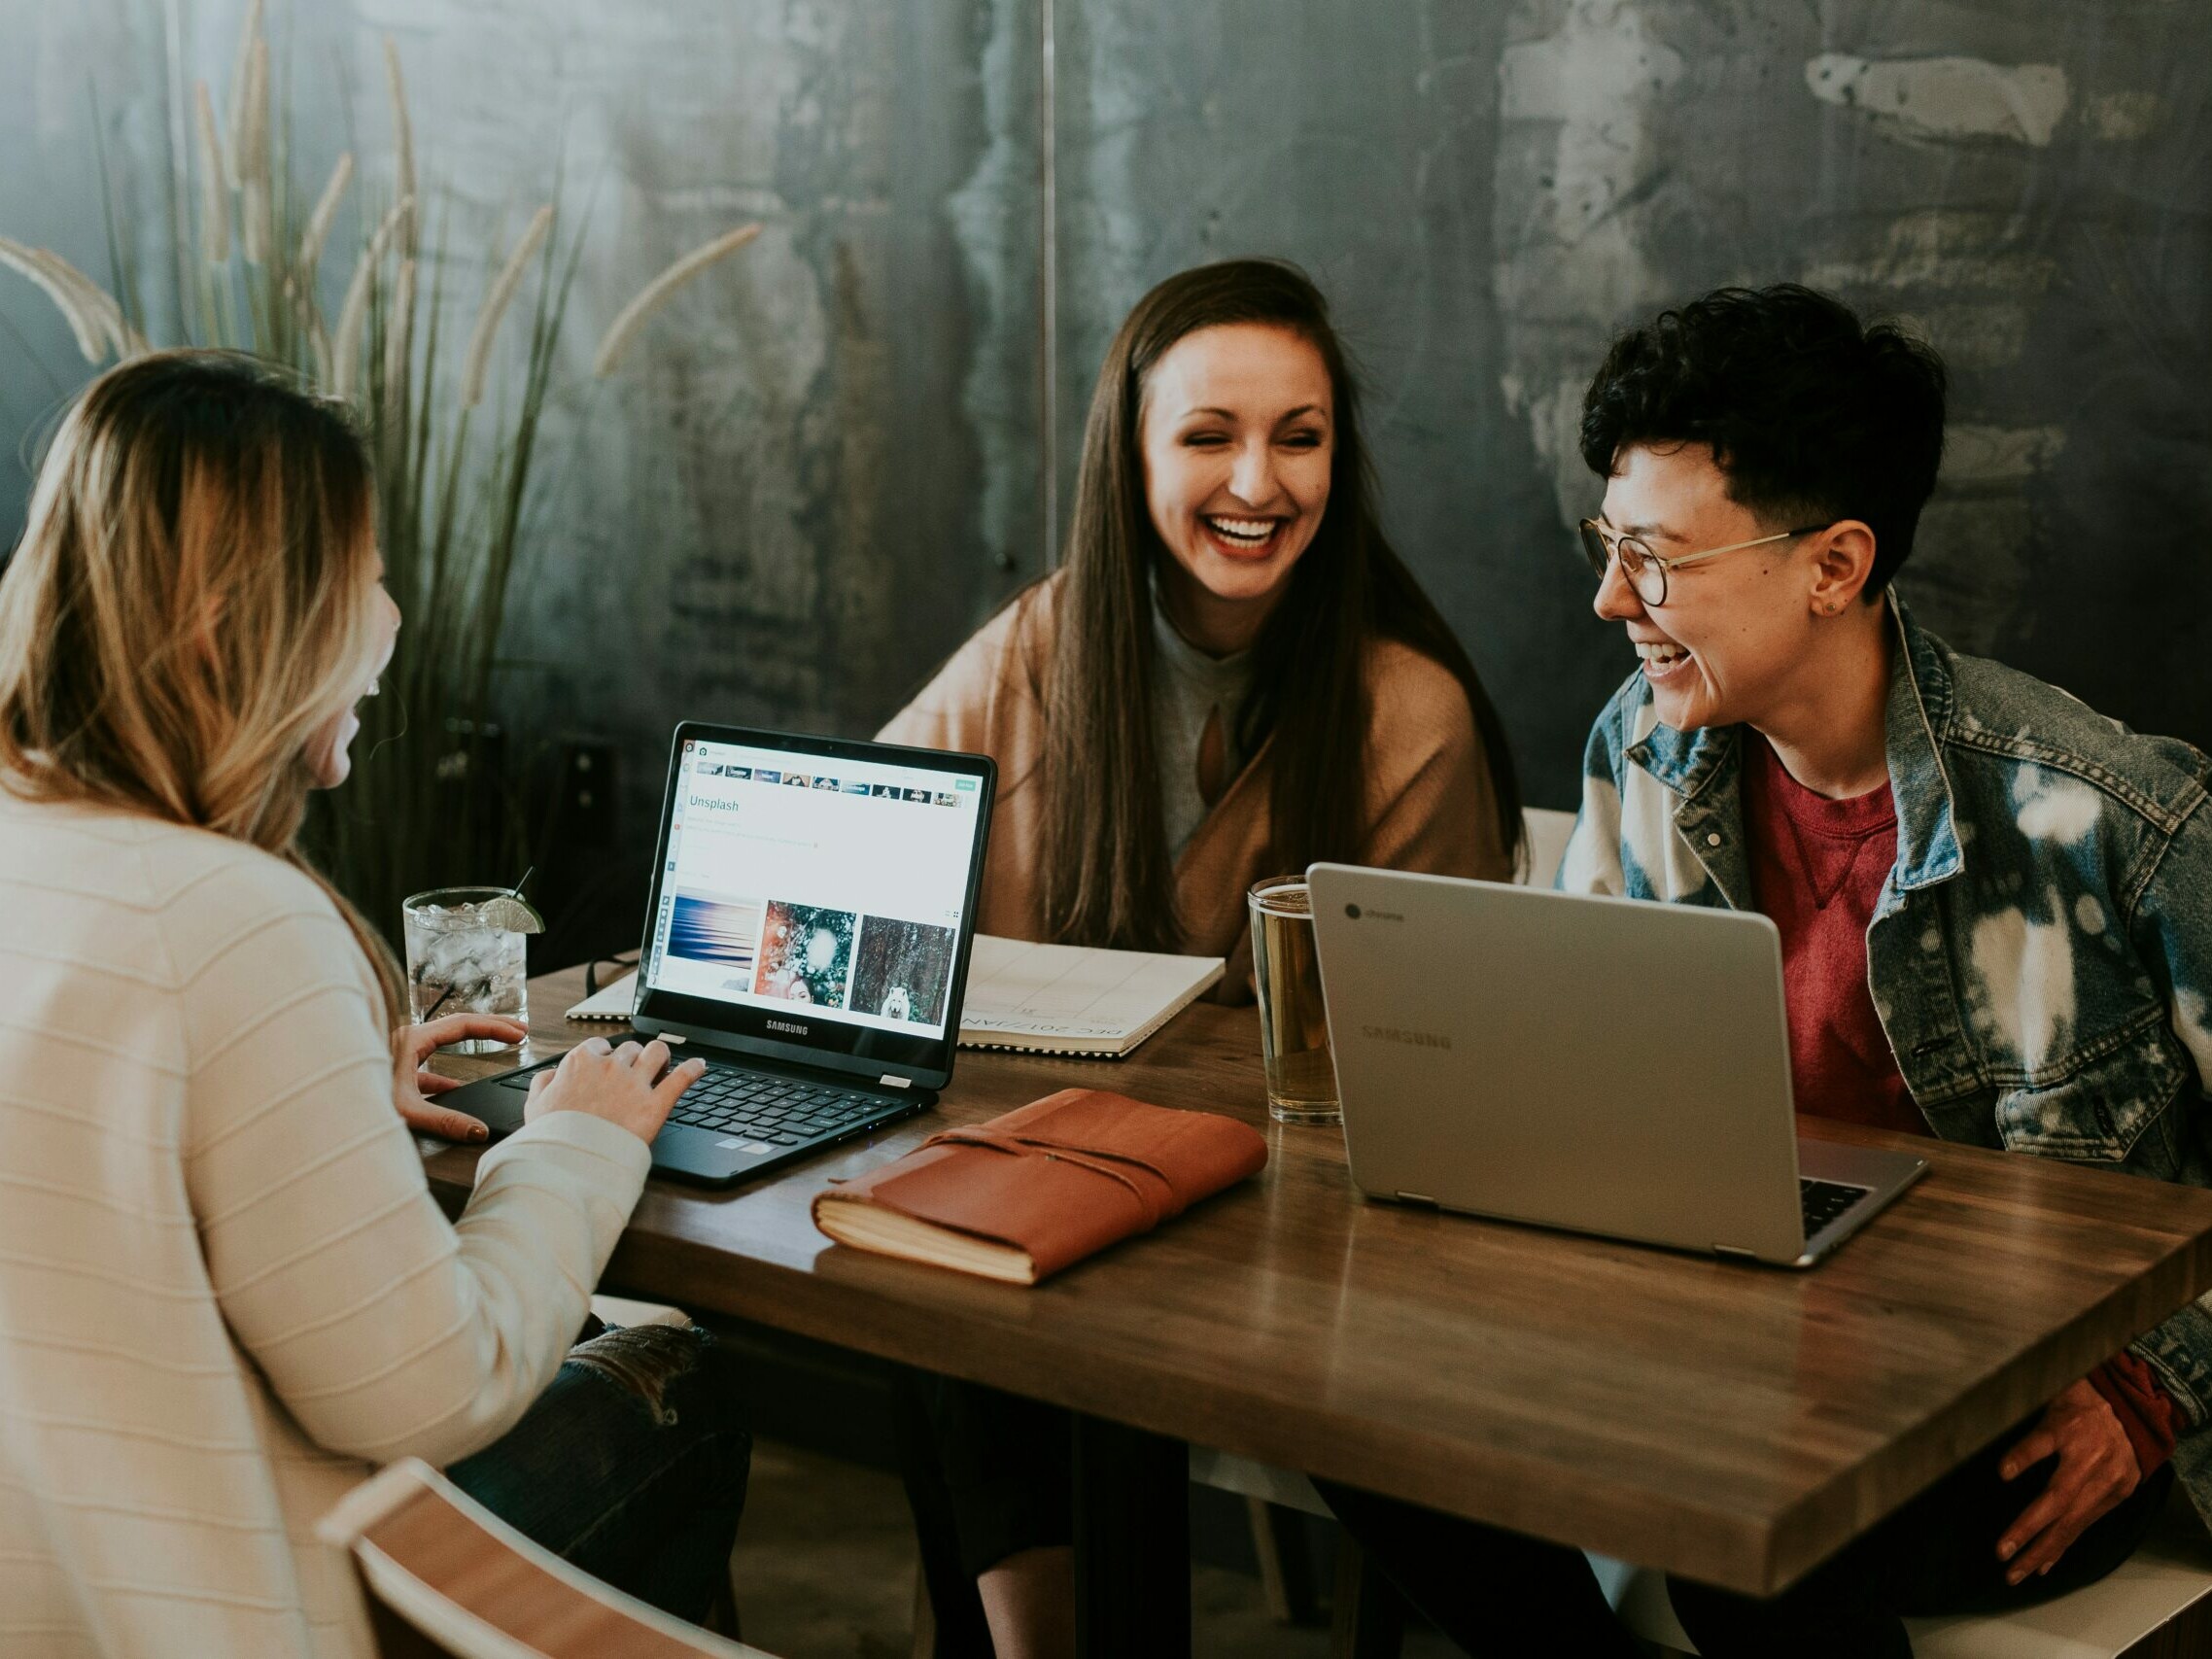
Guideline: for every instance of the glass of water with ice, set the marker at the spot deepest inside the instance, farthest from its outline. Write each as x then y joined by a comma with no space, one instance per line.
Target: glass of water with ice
466,955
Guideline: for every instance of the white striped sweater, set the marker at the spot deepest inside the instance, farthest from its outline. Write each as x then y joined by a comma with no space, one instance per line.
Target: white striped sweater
225,1291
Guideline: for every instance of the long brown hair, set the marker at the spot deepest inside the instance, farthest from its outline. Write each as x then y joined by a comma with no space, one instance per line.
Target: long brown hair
189,604
1108,876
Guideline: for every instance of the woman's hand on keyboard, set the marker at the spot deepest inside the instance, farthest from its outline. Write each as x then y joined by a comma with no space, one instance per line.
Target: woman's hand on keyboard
632,1086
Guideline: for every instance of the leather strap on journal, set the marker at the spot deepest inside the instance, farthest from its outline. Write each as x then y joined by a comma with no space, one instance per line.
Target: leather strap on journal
1064,1176
1154,1205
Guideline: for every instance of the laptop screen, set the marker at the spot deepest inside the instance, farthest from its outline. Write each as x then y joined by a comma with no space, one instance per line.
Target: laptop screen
815,895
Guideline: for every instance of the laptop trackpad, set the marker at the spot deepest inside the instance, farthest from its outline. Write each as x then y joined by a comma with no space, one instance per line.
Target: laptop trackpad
711,1155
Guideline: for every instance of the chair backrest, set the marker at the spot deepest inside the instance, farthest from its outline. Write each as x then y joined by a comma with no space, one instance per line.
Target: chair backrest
2135,1610
444,1575
1546,833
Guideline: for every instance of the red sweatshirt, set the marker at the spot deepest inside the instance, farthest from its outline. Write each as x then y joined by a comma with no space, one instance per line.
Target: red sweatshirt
1818,869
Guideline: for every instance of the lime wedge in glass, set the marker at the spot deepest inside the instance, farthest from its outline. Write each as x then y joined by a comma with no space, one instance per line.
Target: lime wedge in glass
511,915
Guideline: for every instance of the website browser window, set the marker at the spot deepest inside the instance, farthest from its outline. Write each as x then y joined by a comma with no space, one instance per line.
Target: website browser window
834,884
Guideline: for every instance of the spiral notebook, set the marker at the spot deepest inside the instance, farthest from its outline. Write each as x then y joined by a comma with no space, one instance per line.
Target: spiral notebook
1065,999
613,1000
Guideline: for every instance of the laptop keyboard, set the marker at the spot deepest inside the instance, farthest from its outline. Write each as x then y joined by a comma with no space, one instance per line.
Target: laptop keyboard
1822,1201
780,1111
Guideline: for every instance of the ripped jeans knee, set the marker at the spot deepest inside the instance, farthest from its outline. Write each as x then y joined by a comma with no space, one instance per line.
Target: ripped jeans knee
647,1362
632,1464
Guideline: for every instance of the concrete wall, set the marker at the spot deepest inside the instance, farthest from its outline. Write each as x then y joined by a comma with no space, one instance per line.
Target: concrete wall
815,471
825,463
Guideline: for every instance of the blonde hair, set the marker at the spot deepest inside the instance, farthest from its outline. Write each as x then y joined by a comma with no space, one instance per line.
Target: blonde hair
189,605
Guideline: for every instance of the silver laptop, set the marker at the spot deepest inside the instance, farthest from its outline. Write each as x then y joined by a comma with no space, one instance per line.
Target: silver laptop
1611,1067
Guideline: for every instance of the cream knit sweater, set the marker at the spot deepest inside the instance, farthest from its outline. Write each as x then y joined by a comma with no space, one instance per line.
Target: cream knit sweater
225,1291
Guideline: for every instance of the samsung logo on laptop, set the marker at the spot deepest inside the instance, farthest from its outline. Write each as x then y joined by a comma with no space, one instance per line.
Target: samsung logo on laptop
795,1030
1401,1034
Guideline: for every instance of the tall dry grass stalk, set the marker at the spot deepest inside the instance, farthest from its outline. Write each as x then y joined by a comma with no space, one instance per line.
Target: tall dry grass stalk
325,213
95,303
214,195
654,294
402,140
68,300
250,36
256,194
426,807
400,332
353,315
300,282
478,362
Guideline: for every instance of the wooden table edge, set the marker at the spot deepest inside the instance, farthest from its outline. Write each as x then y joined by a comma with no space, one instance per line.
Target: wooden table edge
847,1313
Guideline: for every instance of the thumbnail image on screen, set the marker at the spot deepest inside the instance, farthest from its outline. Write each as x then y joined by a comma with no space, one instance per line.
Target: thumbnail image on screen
707,928
806,953
904,970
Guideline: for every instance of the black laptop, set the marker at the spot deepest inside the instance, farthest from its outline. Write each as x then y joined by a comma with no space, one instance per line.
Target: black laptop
812,909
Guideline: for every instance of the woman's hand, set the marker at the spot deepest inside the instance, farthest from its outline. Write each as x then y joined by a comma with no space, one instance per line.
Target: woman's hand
625,1086
412,1045
2097,1469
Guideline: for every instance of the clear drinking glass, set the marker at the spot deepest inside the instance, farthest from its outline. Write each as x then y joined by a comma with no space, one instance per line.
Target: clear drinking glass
1294,1028
460,962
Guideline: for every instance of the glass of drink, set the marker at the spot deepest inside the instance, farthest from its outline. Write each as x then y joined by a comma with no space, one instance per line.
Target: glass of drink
1294,1029
465,955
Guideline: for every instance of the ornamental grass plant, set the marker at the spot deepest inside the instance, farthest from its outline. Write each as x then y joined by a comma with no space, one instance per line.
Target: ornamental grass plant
434,798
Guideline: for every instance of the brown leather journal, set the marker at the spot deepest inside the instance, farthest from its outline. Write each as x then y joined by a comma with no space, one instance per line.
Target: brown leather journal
1027,1194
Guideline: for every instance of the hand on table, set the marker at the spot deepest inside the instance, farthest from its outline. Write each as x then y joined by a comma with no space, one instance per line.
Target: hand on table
411,1084
2097,1469
631,1086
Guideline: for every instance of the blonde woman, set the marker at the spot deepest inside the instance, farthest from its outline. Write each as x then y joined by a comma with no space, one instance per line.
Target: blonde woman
225,1291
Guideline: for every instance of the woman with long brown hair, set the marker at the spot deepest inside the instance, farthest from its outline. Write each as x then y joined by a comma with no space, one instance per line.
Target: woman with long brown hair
1231,676
1232,673
226,1290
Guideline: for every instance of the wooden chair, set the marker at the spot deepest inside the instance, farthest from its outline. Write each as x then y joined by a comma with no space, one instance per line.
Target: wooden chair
443,1575
1546,833
1366,1618
621,1310
2158,1605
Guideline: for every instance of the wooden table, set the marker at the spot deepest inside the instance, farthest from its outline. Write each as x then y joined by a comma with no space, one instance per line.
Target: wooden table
1735,1424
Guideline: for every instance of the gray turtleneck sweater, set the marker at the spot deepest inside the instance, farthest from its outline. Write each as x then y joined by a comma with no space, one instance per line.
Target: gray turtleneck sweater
1188,689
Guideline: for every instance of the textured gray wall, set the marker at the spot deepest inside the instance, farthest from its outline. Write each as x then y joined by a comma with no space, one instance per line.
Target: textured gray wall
812,474
817,468
824,463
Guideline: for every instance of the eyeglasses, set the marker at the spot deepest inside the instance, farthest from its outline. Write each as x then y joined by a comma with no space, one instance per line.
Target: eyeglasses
1645,570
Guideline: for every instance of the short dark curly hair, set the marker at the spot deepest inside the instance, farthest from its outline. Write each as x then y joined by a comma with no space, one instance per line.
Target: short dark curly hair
1813,416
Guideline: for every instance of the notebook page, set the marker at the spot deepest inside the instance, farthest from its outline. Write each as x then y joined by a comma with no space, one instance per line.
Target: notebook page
1021,989
611,1001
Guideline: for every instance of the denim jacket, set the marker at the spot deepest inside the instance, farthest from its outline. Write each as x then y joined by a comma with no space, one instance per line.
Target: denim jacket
2041,953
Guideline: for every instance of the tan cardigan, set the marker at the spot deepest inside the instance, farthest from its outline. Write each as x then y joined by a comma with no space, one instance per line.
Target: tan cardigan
1430,804
225,1291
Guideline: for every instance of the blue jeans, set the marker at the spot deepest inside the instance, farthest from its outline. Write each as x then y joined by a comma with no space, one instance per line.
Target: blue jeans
631,1466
